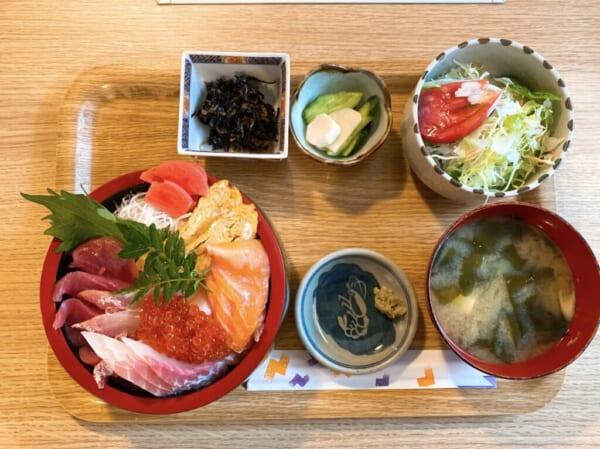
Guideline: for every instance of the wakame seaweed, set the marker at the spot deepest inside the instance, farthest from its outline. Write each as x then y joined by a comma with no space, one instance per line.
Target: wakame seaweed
237,116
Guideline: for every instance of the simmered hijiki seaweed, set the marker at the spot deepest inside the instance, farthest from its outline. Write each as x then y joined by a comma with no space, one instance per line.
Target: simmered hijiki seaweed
237,115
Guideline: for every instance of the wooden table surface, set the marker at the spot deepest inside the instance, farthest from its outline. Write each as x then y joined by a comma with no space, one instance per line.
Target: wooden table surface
47,45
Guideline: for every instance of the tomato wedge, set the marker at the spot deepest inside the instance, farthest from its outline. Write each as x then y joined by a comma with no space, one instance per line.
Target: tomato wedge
446,114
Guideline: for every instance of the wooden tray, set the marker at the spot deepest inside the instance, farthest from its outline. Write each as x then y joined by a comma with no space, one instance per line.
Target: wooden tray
117,119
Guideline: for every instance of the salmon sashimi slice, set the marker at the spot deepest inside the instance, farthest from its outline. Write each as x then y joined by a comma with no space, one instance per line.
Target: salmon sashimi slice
238,284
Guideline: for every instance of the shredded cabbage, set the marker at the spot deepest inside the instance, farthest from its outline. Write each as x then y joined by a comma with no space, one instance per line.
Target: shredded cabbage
513,144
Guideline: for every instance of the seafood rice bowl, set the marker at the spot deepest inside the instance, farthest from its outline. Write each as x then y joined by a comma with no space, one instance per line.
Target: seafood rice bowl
162,290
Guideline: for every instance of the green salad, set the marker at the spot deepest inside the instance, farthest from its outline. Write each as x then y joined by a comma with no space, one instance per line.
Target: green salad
513,142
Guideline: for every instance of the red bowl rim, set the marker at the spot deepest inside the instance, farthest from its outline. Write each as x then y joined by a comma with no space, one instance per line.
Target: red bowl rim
186,401
584,324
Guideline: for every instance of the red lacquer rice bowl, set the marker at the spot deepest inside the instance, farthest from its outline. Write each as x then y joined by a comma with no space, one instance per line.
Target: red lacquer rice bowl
122,394
586,282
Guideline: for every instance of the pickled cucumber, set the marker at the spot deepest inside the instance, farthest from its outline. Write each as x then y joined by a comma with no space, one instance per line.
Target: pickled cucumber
328,103
367,111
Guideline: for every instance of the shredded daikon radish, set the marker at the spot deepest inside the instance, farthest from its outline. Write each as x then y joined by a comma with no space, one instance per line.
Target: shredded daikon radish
134,207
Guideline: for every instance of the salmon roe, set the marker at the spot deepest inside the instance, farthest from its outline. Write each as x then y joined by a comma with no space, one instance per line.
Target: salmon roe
182,331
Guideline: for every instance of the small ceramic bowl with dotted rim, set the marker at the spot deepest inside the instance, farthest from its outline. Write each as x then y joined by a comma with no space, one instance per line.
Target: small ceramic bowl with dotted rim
501,58
333,78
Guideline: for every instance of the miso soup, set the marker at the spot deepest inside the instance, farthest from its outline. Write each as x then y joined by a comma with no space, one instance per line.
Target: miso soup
502,290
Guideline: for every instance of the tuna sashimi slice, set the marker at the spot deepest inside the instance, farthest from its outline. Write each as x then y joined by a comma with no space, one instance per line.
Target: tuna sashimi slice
88,356
106,300
75,281
170,198
238,285
74,336
101,256
189,175
126,364
73,311
121,323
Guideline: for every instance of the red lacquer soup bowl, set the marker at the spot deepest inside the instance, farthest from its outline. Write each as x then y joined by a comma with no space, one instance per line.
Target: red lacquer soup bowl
586,284
124,395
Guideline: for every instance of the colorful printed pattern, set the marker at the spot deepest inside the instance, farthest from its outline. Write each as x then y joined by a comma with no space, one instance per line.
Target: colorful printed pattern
297,370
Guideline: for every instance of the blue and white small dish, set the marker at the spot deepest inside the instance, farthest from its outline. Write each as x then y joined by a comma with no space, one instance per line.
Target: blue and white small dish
198,68
336,315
